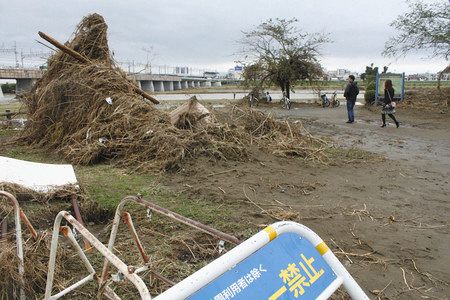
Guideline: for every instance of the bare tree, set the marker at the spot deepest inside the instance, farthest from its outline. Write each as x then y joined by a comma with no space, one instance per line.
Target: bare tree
276,52
424,27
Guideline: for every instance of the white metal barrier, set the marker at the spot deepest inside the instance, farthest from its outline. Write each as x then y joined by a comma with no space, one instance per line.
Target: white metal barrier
19,215
127,271
215,269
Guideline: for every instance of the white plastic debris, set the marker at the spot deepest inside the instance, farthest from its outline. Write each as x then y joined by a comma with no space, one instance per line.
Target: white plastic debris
36,176
117,277
149,213
221,246
109,100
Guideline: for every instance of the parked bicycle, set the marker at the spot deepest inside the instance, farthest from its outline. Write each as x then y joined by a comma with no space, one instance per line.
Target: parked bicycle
334,102
285,101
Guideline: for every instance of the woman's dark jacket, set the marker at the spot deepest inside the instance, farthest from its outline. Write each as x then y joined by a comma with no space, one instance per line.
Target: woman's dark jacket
387,93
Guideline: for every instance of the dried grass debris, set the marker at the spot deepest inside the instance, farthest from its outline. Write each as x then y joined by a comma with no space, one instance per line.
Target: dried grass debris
88,112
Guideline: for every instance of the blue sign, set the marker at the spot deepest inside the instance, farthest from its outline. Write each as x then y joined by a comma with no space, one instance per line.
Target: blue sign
238,68
289,267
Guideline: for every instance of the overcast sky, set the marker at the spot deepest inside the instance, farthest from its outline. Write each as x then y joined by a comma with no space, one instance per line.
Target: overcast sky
203,33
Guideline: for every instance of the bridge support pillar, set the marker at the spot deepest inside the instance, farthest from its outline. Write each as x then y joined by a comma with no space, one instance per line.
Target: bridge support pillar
158,86
191,84
24,85
168,85
177,85
147,85
184,84
216,83
197,83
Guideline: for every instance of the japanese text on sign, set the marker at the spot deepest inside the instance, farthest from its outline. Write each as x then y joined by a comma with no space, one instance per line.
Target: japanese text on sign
297,279
242,283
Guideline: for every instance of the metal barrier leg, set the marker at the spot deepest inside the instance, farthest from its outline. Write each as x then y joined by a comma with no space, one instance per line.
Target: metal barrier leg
127,219
163,211
127,271
19,241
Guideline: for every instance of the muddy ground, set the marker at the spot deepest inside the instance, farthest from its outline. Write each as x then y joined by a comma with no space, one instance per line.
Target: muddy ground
386,216
381,203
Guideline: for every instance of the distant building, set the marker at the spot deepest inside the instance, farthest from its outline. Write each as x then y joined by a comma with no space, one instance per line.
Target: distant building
182,70
427,77
339,74
235,73
211,74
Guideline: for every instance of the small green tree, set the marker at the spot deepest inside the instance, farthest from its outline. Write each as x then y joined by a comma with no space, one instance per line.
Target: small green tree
8,88
277,53
369,77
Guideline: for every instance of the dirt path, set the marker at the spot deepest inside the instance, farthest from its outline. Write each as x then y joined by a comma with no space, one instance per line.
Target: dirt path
390,216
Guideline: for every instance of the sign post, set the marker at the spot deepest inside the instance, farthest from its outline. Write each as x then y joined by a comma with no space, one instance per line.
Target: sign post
398,83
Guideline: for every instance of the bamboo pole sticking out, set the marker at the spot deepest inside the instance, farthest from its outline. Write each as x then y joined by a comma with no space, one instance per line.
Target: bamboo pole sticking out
84,59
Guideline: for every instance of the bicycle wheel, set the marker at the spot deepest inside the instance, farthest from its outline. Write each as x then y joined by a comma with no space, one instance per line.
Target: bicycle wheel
327,103
289,104
337,103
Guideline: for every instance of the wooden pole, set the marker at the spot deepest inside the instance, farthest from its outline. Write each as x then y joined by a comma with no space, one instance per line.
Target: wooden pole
64,48
84,59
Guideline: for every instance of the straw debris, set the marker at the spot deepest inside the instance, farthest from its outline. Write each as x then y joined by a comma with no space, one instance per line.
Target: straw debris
88,112
35,265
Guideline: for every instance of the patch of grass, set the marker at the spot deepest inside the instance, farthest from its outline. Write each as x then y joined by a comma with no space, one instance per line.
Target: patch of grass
24,152
107,185
7,133
13,106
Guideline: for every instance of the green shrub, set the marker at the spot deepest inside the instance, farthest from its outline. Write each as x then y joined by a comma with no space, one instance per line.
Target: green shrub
371,85
369,96
8,88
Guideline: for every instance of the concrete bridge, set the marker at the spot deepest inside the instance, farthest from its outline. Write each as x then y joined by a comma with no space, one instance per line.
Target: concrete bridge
25,79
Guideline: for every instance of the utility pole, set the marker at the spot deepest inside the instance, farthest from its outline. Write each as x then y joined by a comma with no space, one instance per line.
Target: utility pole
22,55
12,50
16,54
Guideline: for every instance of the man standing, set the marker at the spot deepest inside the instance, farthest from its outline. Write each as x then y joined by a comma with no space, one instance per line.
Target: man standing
351,91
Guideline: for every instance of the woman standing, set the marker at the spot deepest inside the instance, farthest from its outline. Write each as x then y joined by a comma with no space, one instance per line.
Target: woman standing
388,104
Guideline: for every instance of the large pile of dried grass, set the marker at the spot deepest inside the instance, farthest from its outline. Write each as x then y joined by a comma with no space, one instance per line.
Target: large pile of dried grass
427,99
68,112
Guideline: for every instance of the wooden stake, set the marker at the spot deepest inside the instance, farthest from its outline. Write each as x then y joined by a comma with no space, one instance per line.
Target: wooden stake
84,59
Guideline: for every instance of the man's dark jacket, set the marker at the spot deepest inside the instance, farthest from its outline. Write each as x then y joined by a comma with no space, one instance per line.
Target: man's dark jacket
351,91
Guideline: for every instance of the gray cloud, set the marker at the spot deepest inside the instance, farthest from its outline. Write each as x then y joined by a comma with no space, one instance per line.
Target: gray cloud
204,32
